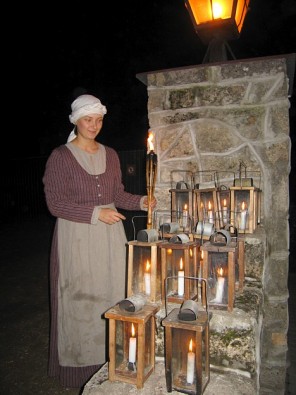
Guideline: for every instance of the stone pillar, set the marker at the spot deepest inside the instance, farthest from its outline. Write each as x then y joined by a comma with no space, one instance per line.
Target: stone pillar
213,116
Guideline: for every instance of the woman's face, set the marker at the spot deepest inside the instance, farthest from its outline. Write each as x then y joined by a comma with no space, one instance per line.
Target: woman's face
89,126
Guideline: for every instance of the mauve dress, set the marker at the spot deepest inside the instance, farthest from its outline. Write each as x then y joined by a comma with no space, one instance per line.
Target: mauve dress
88,257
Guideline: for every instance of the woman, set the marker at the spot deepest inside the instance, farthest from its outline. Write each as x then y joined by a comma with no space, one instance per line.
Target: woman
83,188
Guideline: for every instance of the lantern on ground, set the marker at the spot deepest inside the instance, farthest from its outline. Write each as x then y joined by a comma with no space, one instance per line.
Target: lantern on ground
131,344
187,351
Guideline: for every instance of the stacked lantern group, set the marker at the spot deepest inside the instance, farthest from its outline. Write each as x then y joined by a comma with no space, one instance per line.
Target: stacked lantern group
190,252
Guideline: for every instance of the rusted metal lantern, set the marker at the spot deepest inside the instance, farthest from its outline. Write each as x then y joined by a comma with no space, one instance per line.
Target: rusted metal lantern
181,199
179,260
131,344
144,270
187,367
216,22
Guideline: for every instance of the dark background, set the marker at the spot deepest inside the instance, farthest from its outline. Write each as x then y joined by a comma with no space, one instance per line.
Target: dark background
55,51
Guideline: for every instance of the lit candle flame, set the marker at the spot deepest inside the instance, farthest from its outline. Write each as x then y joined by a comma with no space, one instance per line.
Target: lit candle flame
185,206
210,206
220,272
243,205
150,146
147,266
224,202
169,251
181,264
133,330
190,345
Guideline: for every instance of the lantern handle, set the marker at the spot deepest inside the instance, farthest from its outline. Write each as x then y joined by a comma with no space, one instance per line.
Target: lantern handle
204,280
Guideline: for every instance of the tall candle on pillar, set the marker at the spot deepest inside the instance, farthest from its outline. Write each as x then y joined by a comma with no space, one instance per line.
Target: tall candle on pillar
243,217
224,212
220,286
210,213
147,278
132,346
181,279
185,216
190,364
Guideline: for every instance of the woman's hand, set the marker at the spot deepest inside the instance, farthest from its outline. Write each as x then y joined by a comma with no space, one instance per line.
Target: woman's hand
152,203
110,216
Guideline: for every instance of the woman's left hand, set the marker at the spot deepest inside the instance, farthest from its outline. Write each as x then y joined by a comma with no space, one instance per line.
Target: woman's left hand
153,202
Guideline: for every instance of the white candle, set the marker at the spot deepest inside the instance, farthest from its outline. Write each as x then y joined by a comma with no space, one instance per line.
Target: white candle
224,212
185,216
243,219
147,279
190,364
210,214
181,279
132,347
220,287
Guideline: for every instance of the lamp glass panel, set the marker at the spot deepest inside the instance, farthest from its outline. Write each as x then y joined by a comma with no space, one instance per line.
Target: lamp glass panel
207,10
241,10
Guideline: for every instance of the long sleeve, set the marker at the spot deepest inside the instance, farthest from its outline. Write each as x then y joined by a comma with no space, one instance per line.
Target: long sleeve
71,193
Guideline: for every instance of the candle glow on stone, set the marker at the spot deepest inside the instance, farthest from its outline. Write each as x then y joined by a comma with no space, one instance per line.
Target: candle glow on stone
190,364
132,346
181,279
147,278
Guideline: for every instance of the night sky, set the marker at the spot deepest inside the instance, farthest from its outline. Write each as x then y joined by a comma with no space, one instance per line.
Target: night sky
53,52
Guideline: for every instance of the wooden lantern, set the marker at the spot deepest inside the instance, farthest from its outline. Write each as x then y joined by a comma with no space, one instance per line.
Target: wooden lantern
187,353
131,344
223,267
144,270
245,208
177,262
182,199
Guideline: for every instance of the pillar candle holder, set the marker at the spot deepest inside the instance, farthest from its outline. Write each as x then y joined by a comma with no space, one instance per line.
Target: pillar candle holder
131,344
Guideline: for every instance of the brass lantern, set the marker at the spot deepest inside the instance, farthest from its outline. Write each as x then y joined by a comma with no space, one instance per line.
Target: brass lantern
225,17
216,22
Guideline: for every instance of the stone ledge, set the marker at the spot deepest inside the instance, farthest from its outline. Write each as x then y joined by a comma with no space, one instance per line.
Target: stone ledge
220,383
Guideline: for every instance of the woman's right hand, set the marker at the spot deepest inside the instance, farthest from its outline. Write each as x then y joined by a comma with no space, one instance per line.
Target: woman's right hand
110,216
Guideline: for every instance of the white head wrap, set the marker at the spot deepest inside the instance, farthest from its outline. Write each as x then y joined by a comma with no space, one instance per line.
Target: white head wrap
82,106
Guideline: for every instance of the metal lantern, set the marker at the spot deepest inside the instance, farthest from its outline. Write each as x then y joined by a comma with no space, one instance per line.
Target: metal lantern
144,270
187,366
217,18
131,344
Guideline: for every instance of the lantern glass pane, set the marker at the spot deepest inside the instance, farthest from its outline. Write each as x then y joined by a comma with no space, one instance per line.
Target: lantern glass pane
241,10
206,10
